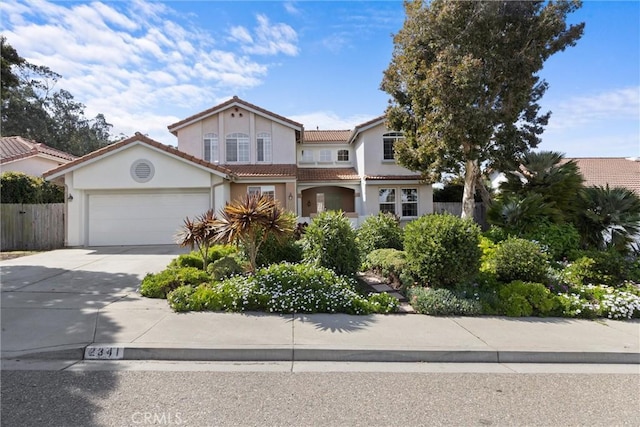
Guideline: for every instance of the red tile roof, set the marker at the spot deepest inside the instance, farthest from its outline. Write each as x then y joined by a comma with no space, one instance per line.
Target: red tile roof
16,147
260,171
327,174
615,171
137,137
324,136
235,100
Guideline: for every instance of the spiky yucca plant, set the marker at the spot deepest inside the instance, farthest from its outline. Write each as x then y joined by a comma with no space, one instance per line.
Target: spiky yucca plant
250,220
199,232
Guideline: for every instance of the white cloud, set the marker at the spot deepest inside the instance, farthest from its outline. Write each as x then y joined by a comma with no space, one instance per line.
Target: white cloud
291,8
268,38
140,63
618,104
328,120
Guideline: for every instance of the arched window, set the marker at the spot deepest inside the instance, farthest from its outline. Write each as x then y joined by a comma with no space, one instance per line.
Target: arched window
237,145
211,148
388,141
263,145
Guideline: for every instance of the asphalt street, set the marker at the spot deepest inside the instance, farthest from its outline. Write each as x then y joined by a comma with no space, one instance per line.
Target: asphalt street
202,398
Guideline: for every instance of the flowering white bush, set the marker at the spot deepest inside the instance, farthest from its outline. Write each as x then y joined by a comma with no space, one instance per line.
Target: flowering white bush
602,301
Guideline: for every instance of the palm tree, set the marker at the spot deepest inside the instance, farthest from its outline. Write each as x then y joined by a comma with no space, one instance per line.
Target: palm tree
198,232
608,217
250,220
546,173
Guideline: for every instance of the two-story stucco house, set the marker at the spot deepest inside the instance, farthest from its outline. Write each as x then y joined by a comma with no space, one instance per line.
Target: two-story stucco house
138,191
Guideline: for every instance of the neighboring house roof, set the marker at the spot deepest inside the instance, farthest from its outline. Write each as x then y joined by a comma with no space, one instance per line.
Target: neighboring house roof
137,138
614,171
326,136
327,174
263,171
14,148
364,126
235,101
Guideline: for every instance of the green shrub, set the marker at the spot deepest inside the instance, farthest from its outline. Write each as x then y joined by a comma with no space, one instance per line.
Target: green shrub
274,251
520,298
180,298
160,284
520,259
194,258
599,268
442,250
330,241
226,266
380,231
442,302
559,240
18,187
284,288
388,262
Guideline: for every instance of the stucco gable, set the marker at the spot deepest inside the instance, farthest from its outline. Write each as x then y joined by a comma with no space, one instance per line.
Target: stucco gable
137,139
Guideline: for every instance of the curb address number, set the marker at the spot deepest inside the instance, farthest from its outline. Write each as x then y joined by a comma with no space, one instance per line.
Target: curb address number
104,353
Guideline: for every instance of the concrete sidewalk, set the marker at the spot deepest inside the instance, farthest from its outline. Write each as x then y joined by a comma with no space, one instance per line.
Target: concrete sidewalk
79,303
136,328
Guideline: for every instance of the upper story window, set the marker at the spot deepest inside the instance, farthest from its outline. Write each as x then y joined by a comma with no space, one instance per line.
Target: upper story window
343,155
307,156
325,156
263,144
237,147
211,148
388,141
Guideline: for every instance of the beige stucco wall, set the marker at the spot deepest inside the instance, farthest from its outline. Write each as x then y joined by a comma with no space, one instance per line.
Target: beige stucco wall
34,166
370,161
114,171
334,148
238,190
237,119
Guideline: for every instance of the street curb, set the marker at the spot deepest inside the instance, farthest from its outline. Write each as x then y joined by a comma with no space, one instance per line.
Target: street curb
74,352
288,354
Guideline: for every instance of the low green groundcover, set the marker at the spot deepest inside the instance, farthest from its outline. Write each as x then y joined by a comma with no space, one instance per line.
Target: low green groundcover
282,288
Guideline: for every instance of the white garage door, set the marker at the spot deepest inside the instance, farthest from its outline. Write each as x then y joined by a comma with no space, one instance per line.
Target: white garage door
142,218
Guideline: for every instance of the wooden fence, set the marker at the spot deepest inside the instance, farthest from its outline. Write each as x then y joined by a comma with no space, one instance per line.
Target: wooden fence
31,227
455,208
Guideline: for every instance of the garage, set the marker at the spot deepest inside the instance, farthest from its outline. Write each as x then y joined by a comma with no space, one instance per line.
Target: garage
136,192
149,218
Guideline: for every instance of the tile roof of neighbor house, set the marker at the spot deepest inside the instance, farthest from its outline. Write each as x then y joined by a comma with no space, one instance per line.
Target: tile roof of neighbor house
327,174
326,136
615,171
235,100
137,137
16,147
263,171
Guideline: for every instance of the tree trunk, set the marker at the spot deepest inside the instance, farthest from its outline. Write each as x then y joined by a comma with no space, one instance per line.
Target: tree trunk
468,201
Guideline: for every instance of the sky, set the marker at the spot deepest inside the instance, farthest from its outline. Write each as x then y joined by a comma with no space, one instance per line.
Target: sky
148,64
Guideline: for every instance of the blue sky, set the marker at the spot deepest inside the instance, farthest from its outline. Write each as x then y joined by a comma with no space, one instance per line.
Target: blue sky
146,64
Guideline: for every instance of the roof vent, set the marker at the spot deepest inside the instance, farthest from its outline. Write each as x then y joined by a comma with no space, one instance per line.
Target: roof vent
142,170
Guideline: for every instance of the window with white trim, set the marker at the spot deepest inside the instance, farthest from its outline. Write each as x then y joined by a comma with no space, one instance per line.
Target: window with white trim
237,145
307,156
266,190
211,147
388,141
263,144
387,200
325,156
409,199
343,155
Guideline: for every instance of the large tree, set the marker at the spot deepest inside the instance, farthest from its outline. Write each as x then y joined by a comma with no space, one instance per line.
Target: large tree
464,84
33,109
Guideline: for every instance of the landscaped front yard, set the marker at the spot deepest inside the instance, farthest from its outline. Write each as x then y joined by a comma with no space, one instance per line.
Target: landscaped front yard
443,264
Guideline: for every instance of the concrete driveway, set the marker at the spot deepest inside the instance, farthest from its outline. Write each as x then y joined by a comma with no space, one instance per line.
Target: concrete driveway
51,300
